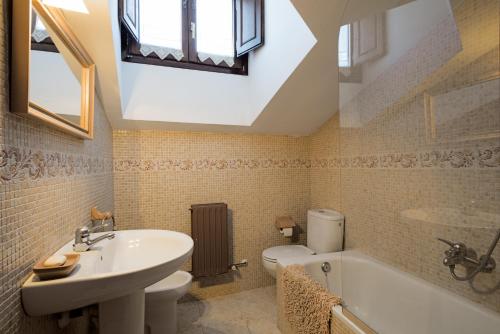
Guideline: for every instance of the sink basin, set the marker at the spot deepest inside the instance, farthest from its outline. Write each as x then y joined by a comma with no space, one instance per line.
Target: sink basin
110,270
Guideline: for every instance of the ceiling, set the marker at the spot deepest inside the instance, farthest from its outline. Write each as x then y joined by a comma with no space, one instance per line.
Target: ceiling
292,86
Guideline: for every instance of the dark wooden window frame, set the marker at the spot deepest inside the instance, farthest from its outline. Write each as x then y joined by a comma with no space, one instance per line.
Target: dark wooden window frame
131,49
45,45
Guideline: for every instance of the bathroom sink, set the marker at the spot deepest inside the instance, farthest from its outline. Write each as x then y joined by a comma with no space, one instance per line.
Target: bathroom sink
110,271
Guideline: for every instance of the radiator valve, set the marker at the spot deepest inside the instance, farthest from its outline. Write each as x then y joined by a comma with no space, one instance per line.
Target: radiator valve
242,263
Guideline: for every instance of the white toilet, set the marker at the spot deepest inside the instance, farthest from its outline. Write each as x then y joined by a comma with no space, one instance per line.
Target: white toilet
325,232
161,303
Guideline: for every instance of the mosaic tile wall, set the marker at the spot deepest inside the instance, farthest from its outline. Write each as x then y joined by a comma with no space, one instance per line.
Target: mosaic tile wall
48,183
409,170
380,174
158,175
325,191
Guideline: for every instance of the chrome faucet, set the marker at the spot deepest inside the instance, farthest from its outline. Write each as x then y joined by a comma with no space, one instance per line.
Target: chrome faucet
460,254
83,241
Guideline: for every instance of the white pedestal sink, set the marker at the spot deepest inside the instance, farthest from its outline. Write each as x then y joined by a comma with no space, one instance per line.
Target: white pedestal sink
113,273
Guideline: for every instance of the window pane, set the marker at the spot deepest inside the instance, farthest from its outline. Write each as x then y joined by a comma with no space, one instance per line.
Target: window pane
215,27
161,23
345,46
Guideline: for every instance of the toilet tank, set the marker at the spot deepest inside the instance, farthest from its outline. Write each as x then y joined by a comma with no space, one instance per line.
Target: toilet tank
325,230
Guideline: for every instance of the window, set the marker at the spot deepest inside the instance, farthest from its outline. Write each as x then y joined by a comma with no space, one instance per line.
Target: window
361,41
40,38
345,46
196,34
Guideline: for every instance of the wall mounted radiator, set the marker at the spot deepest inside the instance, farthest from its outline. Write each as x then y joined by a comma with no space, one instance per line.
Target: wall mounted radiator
209,231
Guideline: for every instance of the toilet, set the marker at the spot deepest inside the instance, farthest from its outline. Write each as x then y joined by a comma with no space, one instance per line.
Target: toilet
325,232
161,303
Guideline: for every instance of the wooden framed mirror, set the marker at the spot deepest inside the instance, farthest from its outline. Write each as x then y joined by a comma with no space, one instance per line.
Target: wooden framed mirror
54,84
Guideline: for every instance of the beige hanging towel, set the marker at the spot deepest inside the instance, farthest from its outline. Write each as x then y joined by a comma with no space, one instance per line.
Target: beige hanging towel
308,305
284,222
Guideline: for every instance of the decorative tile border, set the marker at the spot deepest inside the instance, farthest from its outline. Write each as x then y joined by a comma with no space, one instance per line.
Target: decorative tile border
206,164
481,158
22,164
25,164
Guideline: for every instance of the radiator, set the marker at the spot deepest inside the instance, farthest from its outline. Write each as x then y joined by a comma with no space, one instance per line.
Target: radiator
211,243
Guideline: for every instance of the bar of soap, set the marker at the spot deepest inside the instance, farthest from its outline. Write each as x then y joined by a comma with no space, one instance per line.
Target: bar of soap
55,260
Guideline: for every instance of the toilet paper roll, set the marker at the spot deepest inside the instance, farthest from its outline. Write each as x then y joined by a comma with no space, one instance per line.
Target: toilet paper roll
287,232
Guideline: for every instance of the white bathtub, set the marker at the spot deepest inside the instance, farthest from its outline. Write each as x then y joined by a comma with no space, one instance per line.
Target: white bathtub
393,302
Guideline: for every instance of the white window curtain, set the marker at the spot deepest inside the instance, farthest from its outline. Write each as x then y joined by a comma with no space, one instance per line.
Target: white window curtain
217,59
161,51
40,33
214,32
161,28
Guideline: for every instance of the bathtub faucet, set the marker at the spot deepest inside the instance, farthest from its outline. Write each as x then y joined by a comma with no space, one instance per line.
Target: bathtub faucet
459,253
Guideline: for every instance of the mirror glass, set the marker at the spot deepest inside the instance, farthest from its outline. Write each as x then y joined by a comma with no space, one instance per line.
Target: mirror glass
55,74
418,140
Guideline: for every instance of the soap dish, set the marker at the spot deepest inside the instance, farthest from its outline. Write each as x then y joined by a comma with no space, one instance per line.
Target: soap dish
45,273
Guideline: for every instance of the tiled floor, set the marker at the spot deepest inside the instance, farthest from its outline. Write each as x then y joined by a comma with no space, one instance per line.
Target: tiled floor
248,312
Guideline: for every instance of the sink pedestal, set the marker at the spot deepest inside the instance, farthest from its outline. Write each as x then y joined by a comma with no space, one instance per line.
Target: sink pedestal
124,315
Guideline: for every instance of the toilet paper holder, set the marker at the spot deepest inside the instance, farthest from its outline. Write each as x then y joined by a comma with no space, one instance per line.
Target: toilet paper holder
287,231
286,225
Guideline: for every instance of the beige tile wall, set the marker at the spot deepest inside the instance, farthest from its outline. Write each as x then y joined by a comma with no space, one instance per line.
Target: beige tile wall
48,183
325,191
372,174
389,164
158,175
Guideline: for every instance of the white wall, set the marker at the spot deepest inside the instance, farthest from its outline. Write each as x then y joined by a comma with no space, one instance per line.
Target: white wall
178,95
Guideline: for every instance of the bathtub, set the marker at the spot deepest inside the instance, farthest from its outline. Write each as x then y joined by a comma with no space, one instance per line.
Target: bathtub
393,302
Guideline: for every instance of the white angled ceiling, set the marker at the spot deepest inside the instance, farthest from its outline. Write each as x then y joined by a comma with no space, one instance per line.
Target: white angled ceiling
292,86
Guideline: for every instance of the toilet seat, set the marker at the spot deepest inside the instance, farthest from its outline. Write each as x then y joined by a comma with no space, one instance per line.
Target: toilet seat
271,255
279,252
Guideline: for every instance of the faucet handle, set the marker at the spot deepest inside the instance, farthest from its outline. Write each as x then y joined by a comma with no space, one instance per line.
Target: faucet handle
456,248
448,242
80,233
84,231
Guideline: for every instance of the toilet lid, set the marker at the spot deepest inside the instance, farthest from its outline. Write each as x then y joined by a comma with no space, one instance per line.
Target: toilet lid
273,253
